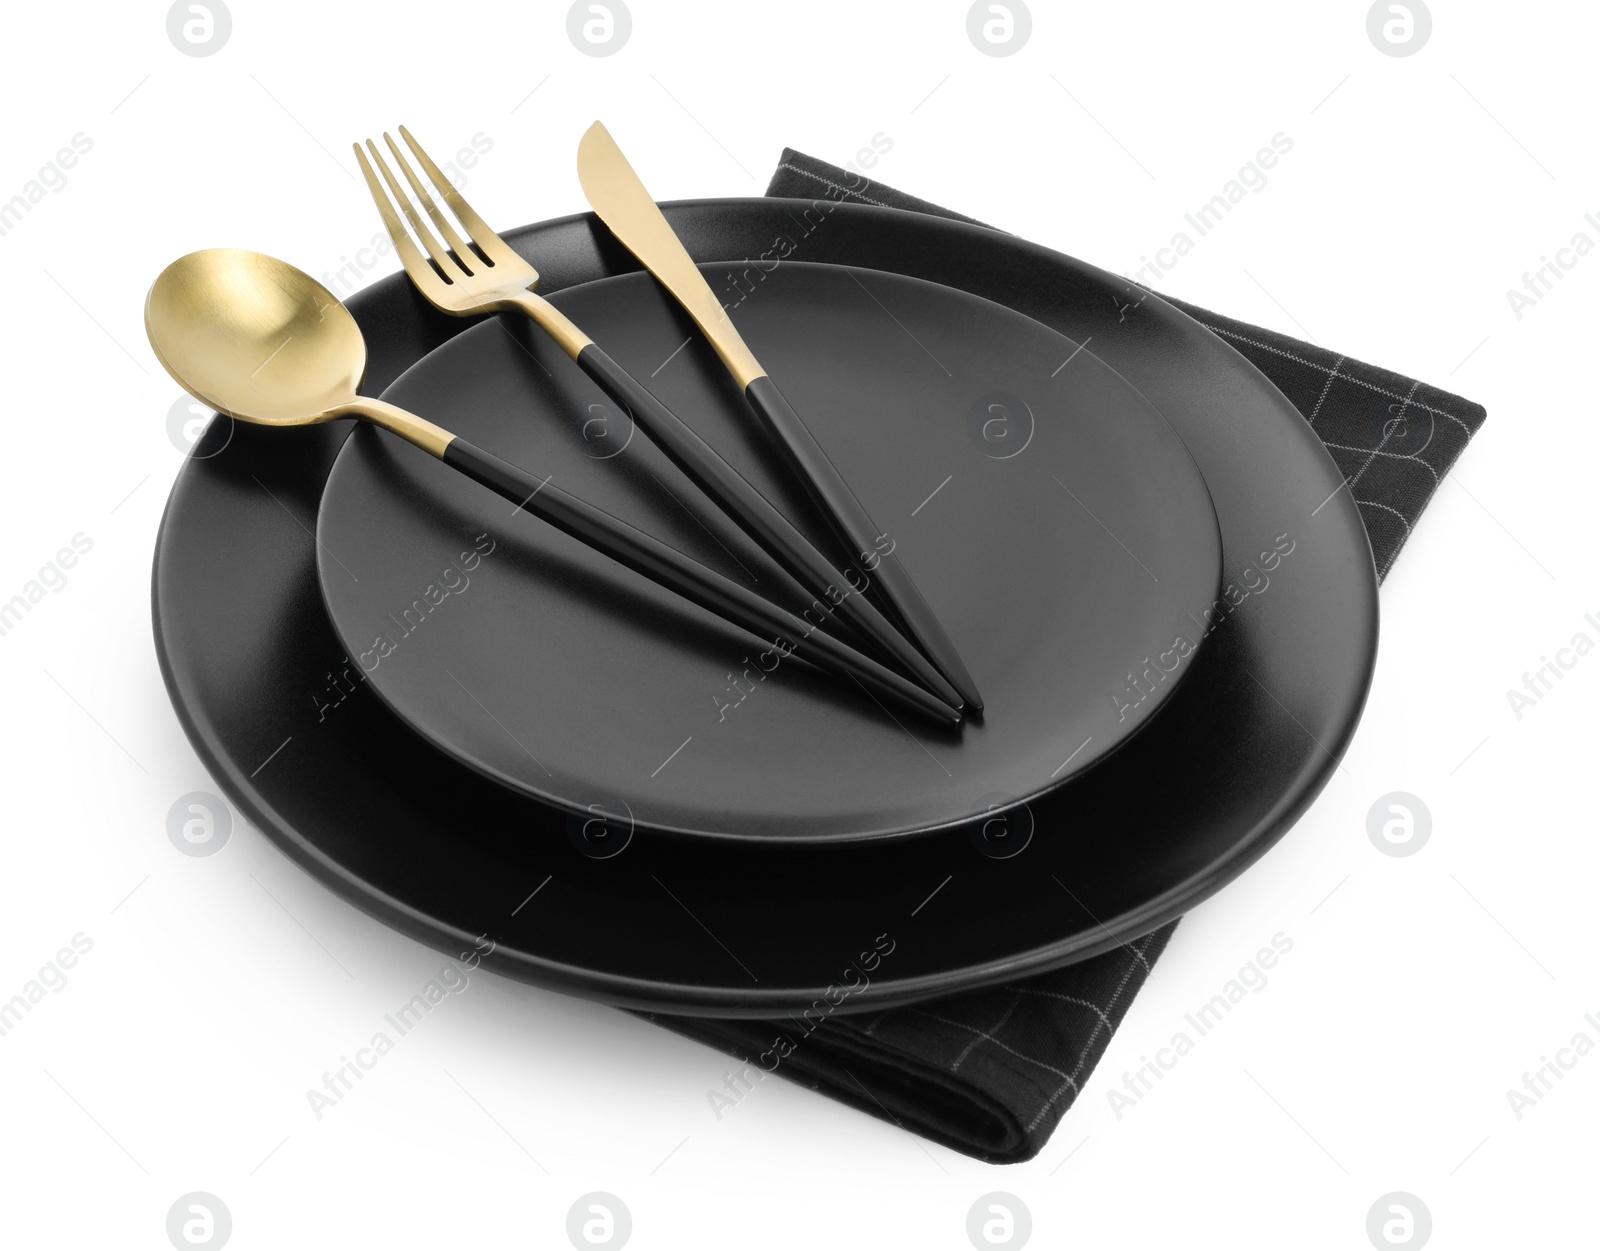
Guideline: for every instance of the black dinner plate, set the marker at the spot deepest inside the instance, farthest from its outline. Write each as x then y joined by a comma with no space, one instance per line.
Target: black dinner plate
315,760
1057,524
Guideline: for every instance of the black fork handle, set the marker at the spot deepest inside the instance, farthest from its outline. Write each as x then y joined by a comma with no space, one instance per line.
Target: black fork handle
758,517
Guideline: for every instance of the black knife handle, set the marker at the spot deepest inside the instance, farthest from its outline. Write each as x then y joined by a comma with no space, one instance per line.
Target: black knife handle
670,568
873,548
758,517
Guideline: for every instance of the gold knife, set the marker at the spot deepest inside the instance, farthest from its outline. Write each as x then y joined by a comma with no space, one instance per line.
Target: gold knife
620,200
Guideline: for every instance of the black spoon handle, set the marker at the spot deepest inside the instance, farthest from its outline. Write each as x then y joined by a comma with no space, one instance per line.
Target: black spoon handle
872,547
757,517
695,582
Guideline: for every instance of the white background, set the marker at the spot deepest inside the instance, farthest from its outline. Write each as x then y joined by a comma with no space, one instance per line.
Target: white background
1419,989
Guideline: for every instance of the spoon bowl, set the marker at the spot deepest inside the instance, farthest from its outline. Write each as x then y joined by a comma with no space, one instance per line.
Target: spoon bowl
255,337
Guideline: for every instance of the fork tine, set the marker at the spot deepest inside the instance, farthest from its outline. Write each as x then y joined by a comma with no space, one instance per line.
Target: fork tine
410,255
488,242
418,227
452,239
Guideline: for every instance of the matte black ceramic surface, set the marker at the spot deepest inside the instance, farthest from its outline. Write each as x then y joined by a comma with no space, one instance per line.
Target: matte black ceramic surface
1058,526
339,783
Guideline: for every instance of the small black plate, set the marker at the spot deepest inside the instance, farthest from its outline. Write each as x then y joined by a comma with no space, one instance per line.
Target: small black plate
314,759
1056,523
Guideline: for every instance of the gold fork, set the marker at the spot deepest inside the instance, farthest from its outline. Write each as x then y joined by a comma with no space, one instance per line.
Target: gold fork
468,282
487,276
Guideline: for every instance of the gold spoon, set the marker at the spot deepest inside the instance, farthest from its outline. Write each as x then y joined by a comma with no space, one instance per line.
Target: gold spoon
256,338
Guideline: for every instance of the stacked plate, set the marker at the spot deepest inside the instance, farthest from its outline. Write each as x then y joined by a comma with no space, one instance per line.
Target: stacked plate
474,727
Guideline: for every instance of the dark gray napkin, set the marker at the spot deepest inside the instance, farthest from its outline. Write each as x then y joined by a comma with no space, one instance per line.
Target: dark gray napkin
990,1073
